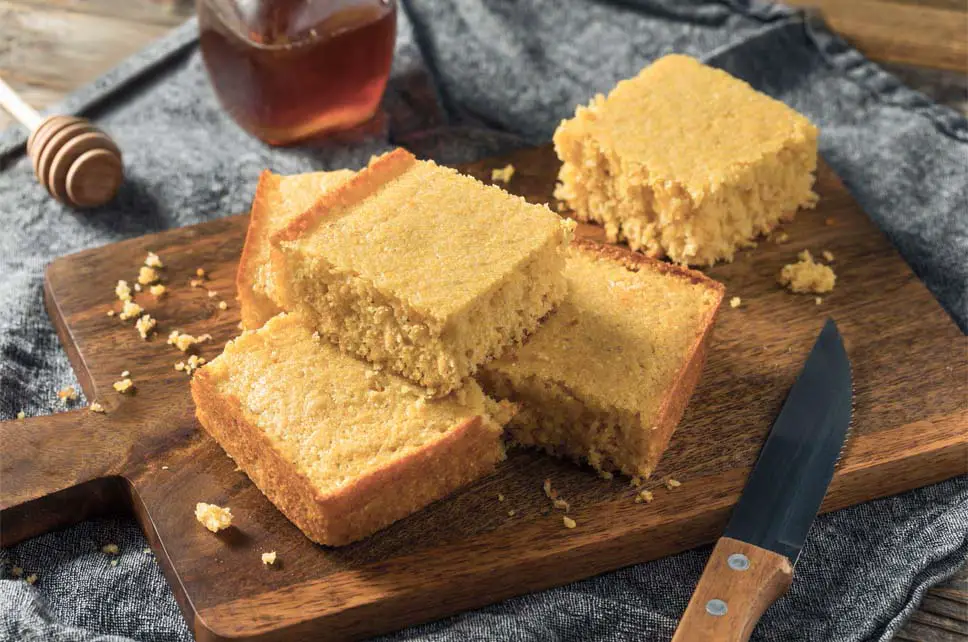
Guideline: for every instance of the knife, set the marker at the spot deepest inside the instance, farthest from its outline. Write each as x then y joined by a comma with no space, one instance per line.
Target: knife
751,565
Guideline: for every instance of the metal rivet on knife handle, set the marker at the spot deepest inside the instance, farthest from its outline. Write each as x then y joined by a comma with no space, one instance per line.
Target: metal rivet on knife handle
716,607
738,562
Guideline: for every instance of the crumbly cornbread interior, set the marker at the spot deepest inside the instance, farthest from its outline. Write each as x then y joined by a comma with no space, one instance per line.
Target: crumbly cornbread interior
592,378
279,200
334,418
431,273
686,161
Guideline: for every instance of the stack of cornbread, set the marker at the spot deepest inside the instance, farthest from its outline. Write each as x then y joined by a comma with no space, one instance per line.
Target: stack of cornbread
397,319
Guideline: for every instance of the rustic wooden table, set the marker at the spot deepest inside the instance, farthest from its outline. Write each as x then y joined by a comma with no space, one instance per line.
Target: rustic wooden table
50,47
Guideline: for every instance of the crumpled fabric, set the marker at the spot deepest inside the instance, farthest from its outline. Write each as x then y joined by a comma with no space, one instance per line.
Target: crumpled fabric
473,78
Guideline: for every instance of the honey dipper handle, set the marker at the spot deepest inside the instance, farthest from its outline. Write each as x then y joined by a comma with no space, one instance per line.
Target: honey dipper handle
17,108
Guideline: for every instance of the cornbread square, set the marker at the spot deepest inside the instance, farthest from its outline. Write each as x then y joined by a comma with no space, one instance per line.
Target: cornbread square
340,449
278,200
685,161
422,269
607,376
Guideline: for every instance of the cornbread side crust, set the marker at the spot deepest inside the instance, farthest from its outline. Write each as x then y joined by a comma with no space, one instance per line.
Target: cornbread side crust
422,269
607,377
278,200
685,161
348,460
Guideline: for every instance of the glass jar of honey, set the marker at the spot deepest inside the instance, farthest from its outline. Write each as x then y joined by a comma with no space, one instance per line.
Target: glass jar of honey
287,70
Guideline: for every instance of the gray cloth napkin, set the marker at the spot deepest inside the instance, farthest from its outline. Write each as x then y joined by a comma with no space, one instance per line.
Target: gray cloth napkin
471,78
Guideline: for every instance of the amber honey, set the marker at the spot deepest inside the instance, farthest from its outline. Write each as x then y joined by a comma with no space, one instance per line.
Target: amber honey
291,69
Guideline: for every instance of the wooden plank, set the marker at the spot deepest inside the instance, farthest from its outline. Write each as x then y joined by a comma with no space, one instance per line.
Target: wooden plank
943,616
926,36
466,551
170,13
46,53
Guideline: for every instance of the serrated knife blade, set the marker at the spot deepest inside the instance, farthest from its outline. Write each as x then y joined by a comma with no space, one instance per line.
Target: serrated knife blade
752,564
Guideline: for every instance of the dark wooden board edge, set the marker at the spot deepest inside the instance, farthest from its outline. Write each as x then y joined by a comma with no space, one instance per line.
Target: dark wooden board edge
303,611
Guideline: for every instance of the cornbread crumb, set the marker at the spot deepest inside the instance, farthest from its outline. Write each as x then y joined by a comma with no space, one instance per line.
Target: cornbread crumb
21,415
96,407
114,562
31,578
606,474
222,305
212,294
828,256
269,558
817,300
148,275
194,363
145,326
164,467
200,273
195,283
735,302
137,287
67,394
122,291
158,290
124,386
503,175
110,549
212,517
635,482
110,313
644,496
186,342
556,500
153,261
125,373
130,310
512,513
781,238
569,522
16,571
671,483
146,550
807,275
500,497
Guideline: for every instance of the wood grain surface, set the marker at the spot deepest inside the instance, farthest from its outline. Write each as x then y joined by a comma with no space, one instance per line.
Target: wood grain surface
743,593
147,455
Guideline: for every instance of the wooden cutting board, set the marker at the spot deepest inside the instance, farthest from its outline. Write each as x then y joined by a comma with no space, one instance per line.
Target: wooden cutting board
148,456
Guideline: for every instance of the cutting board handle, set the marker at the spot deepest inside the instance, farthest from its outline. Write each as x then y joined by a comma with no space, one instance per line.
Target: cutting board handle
739,583
57,470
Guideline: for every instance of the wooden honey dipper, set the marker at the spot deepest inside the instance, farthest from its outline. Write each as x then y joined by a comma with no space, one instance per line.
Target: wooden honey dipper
77,162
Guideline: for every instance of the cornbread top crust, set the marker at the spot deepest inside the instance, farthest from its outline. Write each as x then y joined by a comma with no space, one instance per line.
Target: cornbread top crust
693,124
330,415
623,332
423,233
278,200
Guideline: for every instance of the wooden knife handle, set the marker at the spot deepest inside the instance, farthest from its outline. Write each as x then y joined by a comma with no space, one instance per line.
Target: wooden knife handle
732,594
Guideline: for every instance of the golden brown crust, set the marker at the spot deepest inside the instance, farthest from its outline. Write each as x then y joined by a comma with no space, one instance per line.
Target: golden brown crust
673,405
365,505
354,190
636,261
255,308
